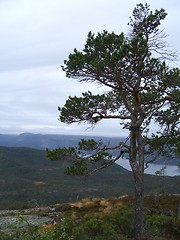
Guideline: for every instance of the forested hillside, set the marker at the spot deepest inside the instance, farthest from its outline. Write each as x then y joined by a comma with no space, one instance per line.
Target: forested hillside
28,179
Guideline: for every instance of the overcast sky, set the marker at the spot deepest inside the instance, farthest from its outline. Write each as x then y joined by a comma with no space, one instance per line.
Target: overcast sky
36,36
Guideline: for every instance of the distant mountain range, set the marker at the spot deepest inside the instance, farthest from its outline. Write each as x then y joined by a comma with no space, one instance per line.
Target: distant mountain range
40,141
43,141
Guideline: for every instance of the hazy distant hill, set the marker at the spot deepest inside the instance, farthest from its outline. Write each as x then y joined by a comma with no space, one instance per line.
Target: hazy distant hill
40,141
28,178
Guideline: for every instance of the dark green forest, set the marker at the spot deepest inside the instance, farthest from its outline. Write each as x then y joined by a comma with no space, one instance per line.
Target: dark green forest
29,179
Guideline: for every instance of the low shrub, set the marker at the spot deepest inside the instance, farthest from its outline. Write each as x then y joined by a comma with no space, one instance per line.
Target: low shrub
162,225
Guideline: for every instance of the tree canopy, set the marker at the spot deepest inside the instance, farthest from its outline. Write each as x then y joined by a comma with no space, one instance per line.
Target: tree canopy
143,89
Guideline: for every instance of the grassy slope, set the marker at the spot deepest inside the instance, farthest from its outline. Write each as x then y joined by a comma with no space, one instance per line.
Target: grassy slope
28,179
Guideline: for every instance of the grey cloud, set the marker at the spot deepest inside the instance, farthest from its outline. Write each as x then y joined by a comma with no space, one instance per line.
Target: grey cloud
36,37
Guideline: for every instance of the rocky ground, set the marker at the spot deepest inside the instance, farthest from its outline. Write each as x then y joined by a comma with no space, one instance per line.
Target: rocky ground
13,219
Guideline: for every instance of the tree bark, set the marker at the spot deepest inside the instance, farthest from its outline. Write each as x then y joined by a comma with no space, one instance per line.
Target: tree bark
137,165
139,206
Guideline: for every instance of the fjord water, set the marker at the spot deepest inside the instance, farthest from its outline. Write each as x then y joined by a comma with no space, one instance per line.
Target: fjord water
170,170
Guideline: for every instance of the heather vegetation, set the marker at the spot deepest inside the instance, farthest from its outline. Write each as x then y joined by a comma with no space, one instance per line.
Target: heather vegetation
101,219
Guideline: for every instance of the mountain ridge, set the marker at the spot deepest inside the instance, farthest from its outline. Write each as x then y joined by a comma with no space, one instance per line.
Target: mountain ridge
43,141
52,141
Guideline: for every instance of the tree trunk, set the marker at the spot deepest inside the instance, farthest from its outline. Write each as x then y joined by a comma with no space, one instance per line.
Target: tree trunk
139,206
137,165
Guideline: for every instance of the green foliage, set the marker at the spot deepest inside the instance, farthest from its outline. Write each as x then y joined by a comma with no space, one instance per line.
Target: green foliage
106,227
78,168
95,228
81,162
65,230
99,53
142,89
88,145
145,20
158,225
161,172
65,153
122,220
89,108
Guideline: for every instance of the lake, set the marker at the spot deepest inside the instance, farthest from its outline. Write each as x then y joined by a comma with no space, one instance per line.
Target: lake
171,170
